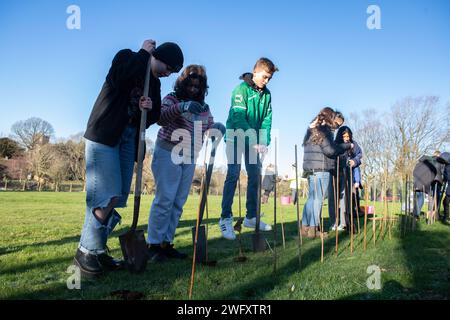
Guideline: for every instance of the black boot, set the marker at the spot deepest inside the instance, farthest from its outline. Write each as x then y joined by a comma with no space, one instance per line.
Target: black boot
88,263
156,253
109,263
171,252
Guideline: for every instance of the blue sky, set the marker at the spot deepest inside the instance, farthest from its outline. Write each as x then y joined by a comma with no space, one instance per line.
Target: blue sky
326,55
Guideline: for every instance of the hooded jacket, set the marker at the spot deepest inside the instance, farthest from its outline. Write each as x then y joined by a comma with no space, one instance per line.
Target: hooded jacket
354,154
251,108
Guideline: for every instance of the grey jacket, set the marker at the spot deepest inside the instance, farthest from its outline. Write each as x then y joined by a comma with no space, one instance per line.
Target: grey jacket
321,157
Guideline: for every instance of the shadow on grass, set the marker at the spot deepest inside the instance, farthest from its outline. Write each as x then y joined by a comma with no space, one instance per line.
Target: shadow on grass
159,279
427,254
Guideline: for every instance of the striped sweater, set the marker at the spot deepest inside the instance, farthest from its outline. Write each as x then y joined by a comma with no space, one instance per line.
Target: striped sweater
185,130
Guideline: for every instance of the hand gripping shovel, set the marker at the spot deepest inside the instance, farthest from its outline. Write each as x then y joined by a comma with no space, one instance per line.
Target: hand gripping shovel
132,242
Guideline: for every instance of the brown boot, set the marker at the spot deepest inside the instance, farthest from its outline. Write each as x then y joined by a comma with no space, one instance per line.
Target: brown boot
304,231
318,233
311,232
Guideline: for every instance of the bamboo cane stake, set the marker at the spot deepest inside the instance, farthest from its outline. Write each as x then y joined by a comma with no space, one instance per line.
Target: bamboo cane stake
350,191
366,202
336,199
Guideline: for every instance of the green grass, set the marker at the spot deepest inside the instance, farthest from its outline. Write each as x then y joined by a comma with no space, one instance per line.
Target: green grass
39,233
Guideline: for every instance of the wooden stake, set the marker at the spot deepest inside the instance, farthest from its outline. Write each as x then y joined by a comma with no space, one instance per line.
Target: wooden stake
299,223
366,202
282,227
197,225
357,209
275,212
336,199
350,191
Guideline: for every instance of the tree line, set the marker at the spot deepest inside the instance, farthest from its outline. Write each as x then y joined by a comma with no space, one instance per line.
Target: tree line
392,143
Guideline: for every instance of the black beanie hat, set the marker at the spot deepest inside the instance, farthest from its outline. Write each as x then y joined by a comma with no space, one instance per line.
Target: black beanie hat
170,53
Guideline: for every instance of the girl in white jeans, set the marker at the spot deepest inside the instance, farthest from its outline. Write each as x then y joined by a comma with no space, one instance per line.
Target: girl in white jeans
184,117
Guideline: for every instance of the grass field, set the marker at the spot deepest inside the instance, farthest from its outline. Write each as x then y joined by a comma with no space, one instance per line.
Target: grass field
39,233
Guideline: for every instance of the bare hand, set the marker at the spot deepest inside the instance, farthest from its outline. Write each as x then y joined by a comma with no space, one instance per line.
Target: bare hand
149,45
260,148
351,163
145,103
356,185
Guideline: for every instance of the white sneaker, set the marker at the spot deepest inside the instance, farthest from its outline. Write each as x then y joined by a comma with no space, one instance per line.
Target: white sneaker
226,227
340,228
251,223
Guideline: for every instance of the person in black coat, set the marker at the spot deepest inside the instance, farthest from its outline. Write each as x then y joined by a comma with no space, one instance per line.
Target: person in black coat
428,179
349,160
444,159
112,137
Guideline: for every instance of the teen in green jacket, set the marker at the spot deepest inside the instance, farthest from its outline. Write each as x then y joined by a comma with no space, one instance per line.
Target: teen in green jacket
248,133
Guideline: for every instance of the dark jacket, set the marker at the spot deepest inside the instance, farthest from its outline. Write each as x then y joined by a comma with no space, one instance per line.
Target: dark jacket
427,171
117,105
444,158
354,154
321,157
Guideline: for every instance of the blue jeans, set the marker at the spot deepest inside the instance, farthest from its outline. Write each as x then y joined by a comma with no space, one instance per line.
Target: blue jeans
331,200
173,183
109,171
253,167
419,199
318,184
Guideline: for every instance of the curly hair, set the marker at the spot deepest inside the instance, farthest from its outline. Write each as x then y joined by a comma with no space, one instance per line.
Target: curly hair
324,120
191,72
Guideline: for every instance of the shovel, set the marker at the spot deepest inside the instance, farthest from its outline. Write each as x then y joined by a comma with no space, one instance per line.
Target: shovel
199,238
199,235
134,247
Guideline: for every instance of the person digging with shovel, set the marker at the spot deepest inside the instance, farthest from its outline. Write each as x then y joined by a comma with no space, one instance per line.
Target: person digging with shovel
111,144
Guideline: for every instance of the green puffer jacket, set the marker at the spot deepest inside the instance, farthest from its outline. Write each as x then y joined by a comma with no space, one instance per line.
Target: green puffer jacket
251,108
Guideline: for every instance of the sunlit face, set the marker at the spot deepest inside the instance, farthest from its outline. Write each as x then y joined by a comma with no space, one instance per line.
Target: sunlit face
261,78
160,69
346,137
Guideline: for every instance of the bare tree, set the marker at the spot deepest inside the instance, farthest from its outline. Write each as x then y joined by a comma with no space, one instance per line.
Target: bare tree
419,126
32,132
369,133
73,153
40,160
